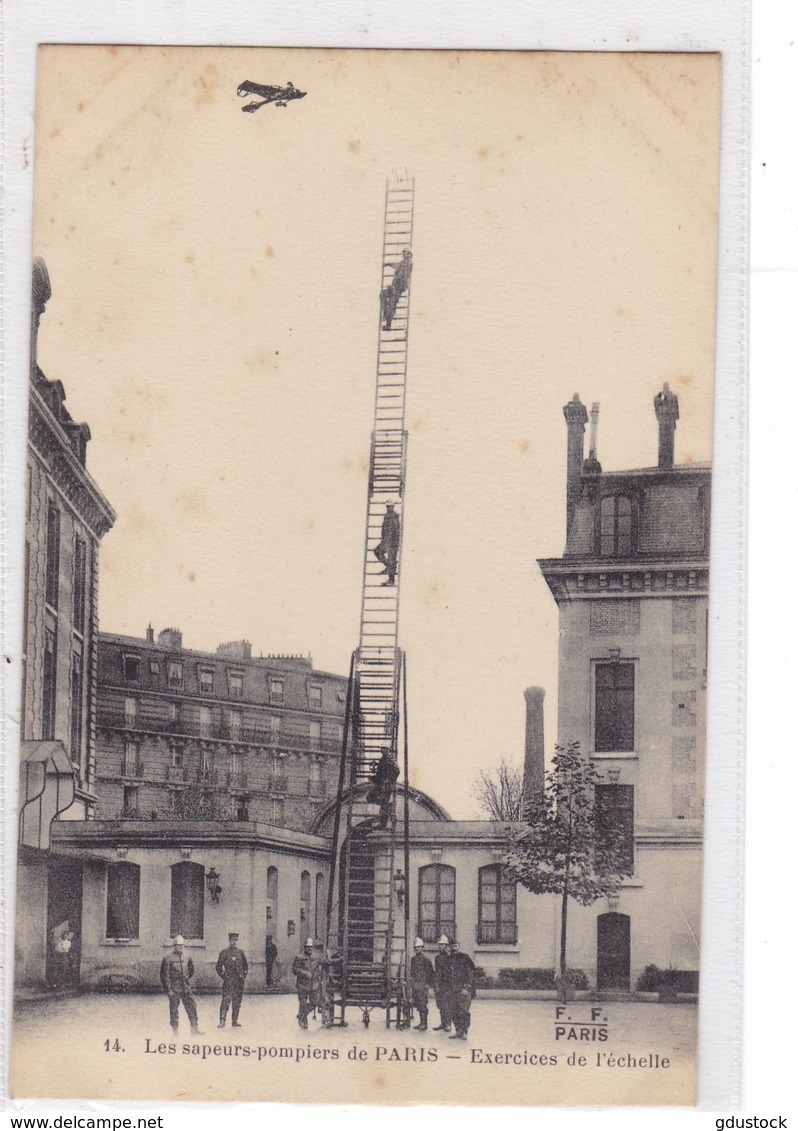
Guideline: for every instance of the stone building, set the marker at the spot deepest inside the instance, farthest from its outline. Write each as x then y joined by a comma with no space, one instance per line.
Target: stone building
66,516
632,593
187,735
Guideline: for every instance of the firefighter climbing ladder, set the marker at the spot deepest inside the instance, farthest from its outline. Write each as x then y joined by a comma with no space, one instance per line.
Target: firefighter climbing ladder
367,900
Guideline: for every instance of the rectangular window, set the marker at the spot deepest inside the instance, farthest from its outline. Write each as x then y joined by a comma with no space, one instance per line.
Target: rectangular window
49,683
175,674
314,729
131,767
206,681
155,667
205,722
278,808
176,755
235,726
279,775
615,821
235,685
314,695
53,555
123,898
276,689
316,780
130,801
616,526
436,902
131,711
131,666
188,900
615,707
275,728
79,585
496,923
174,713
206,767
76,708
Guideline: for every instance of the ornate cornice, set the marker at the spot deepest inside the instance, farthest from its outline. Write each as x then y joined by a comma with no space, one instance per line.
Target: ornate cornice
51,443
586,579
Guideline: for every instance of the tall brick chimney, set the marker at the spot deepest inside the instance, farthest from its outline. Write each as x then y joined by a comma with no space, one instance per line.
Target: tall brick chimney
575,415
534,749
666,406
171,638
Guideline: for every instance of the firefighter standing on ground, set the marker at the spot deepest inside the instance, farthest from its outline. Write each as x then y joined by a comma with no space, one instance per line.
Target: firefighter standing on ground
232,968
462,983
307,969
443,961
422,978
176,975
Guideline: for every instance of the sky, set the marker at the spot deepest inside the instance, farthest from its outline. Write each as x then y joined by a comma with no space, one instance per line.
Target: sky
214,319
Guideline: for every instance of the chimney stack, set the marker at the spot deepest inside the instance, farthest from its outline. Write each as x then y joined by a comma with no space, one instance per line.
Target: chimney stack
534,750
171,638
575,415
150,634
666,406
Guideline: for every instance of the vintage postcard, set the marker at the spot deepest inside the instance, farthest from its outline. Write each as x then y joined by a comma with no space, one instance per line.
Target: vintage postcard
314,329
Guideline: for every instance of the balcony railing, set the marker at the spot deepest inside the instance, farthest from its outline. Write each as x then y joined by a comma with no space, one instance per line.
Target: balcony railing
237,779
206,776
278,783
497,933
292,735
176,774
132,768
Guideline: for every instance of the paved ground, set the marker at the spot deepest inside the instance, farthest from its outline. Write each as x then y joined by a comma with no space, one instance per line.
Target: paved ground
517,1052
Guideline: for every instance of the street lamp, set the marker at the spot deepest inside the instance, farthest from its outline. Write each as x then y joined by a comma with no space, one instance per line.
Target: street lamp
214,887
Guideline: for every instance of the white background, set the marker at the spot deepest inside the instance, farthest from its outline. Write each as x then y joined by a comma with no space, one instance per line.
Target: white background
763,1068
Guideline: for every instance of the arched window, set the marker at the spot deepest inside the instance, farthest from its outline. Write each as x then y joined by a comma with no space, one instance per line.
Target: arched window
496,918
616,526
319,927
304,904
436,902
122,901
188,900
271,895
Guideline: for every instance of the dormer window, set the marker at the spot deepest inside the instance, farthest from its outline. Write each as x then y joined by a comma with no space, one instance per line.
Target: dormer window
206,681
616,526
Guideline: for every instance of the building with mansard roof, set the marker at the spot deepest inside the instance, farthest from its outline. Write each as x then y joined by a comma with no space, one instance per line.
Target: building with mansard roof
632,592
223,735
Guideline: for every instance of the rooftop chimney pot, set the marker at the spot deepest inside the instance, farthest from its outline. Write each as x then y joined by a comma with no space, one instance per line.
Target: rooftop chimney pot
666,406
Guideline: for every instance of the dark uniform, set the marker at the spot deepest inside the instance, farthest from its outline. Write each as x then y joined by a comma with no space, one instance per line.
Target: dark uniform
307,969
443,989
270,955
176,975
232,968
390,295
422,978
387,549
462,974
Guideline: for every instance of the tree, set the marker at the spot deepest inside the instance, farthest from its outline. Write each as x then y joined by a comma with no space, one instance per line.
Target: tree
500,792
559,850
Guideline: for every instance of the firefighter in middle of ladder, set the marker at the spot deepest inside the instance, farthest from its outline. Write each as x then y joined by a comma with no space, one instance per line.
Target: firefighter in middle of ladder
390,295
387,549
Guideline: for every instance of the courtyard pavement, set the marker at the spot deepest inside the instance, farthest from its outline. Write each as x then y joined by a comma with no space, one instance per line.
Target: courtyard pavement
120,1047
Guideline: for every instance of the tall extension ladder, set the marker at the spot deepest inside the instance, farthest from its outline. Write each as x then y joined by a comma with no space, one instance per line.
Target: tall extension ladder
369,930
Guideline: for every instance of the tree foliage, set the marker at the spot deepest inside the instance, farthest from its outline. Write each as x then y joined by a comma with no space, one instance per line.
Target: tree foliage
558,850
499,792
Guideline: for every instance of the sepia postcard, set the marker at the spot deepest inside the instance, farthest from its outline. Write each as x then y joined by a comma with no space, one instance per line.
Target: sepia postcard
313,330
